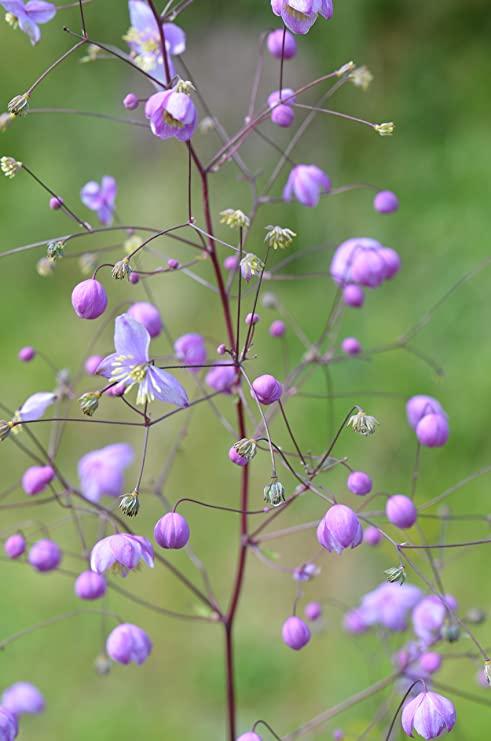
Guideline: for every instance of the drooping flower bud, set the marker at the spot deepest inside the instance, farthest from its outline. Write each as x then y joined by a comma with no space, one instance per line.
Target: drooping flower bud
128,643
372,535
45,555
239,460
351,346
313,611
306,183
401,511
148,315
23,698
276,47
353,295
14,546
432,430
295,633
277,328
266,389
339,529
131,102
26,354
92,363
252,319
172,531
359,483
386,202
89,299
429,714
90,586
36,478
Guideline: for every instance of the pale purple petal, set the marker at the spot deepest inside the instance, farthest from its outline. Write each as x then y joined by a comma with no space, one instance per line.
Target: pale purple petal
165,387
175,39
35,406
131,339
39,11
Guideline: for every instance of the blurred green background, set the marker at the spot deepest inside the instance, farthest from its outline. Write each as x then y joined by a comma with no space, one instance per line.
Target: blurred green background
432,67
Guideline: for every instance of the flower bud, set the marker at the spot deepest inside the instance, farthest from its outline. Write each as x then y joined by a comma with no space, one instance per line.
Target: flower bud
14,546
90,586
92,363
89,299
249,736
372,535
128,643
430,662
26,354
277,328
274,493
277,47
386,202
313,611
148,315
23,698
239,460
419,406
89,402
266,389
401,511
432,430
339,529
351,346
269,300
231,263
173,264
45,555
353,295
252,319
172,531
295,633
55,203
359,483
36,479
131,102
129,504
283,115
450,632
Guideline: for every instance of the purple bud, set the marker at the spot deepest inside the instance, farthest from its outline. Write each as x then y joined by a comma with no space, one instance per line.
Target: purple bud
277,328
148,315
359,483
130,102
392,262
92,363
23,698
45,555
221,349
429,714
338,735
252,319
172,531
354,623
295,633
400,511
89,299
9,728
55,203
313,611
430,662
419,406
339,529
372,535
36,479
275,44
306,183
432,431
134,278
353,296
90,585
128,643
190,349
386,202
26,354
234,456
249,736
172,263
266,389
283,115
351,346
428,618
14,546
231,263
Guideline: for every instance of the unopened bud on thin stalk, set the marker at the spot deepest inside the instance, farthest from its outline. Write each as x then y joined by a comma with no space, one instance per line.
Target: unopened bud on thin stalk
89,402
129,504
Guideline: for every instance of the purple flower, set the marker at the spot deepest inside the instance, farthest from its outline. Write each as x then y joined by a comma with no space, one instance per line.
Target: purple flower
306,572
26,354
429,714
419,406
92,363
313,611
148,315
249,736
351,346
143,38
131,365
35,406
277,328
252,318
430,662
353,295
295,633
100,198
101,472
89,299
28,16
359,483
131,102
128,643
266,389
45,555
300,15
428,618
401,511
222,378
172,531
306,183
386,202
388,605
172,113
36,479
339,529
282,114
190,349
363,261
9,727
432,430
123,551
90,585
23,698
276,46
14,546
372,535
231,263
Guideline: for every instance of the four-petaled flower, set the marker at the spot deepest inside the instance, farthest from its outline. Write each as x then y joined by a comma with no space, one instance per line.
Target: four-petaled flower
100,198
28,16
300,15
172,113
143,38
131,365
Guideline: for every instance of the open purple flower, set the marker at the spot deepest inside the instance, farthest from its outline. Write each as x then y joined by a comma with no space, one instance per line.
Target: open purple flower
121,551
306,183
172,113
100,198
28,16
363,261
101,472
131,365
429,714
300,15
143,38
